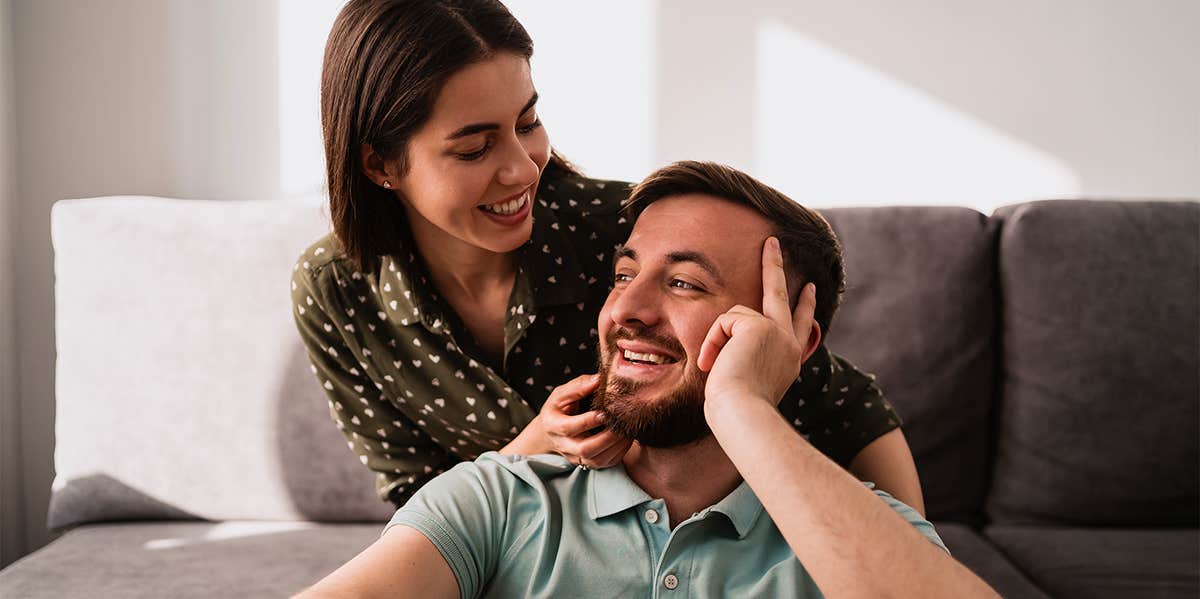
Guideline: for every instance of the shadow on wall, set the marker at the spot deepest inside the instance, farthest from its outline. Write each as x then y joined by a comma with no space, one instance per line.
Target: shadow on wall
324,478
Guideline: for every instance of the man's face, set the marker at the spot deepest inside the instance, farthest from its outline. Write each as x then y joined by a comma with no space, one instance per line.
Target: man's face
689,259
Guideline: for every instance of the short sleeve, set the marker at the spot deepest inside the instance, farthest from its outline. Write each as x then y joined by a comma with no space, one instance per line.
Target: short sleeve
463,513
384,439
911,516
838,408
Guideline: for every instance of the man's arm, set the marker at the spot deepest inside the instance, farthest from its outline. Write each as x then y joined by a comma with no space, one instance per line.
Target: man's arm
402,563
851,542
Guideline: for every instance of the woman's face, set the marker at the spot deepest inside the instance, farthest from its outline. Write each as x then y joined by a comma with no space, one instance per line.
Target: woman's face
474,166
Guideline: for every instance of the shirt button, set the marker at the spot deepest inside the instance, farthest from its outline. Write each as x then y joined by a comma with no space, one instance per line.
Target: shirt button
670,581
651,516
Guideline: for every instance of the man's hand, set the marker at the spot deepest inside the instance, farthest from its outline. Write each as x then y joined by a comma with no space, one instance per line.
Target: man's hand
753,356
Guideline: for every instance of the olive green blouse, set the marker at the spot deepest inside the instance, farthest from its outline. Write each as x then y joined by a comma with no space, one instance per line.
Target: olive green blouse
410,389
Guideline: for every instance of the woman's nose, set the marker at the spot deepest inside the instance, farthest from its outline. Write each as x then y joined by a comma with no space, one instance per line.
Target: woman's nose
519,168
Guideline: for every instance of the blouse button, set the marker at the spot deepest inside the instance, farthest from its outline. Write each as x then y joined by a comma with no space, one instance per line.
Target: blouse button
670,581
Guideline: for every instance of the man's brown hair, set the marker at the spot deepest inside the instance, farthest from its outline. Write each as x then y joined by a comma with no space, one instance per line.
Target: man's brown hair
811,252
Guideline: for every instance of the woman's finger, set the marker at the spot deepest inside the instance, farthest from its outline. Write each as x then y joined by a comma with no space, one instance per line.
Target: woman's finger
567,395
574,426
591,447
774,283
611,456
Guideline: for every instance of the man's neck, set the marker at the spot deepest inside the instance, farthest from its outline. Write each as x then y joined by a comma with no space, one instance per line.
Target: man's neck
688,478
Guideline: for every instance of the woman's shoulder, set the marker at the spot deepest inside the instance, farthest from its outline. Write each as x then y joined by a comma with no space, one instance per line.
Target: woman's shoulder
323,263
593,205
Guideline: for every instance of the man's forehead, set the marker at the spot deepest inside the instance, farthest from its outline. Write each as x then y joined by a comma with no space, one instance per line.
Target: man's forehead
699,223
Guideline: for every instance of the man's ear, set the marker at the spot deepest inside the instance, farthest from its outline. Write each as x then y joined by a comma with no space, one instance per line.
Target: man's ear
814,339
377,168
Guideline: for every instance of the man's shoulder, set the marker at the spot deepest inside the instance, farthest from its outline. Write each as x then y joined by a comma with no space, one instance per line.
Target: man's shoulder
497,477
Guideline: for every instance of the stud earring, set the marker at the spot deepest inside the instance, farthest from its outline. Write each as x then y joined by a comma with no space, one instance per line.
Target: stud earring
387,184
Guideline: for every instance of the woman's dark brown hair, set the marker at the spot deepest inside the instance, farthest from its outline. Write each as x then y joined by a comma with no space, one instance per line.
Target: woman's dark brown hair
385,63
811,252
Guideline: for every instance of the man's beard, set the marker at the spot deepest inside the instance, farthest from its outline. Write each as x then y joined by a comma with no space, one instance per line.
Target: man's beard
665,421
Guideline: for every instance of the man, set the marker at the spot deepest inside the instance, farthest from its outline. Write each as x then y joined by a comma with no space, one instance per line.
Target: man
699,341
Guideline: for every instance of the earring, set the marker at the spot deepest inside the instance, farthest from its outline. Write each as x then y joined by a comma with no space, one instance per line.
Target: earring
387,184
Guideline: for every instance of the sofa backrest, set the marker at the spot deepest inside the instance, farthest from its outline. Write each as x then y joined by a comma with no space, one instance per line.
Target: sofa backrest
182,386
919,313
1100,406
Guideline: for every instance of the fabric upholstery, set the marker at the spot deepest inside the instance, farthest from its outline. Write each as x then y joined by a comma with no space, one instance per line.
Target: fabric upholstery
984,559
183,560
1105,563
1101,384
919,312
183,389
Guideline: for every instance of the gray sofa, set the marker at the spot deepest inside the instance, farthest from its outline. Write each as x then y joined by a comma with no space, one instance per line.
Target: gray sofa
1046,361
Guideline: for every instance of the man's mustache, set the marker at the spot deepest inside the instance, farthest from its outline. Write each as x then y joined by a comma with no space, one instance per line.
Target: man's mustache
649,336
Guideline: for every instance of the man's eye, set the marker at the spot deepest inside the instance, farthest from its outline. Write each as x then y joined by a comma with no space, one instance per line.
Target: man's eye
621,278
684,285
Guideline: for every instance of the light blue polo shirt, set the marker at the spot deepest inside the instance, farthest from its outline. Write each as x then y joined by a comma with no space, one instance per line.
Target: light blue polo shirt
538,526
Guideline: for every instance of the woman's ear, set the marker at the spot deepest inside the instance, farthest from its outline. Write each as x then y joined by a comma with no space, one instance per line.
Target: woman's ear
377,168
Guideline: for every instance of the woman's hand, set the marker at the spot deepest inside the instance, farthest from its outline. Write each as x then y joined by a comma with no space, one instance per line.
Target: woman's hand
558,429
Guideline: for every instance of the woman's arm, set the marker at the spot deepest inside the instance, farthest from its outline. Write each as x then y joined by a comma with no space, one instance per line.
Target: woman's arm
888,462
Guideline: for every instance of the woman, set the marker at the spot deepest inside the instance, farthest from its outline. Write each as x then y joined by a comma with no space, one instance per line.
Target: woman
468,263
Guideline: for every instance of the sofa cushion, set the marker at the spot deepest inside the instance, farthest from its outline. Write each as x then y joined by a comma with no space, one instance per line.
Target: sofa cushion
1100,406
919,312
193,559
989,563
1104,563
182,387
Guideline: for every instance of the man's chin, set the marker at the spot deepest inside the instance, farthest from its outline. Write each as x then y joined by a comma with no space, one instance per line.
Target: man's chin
652,414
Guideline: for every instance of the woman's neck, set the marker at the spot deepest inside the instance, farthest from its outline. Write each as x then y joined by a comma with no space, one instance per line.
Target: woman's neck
459,269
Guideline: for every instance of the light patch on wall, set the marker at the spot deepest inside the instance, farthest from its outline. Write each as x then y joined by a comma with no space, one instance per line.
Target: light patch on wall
303,28
831,131
594,68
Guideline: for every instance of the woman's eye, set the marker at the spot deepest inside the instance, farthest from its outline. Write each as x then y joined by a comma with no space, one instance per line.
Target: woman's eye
476,155
530,127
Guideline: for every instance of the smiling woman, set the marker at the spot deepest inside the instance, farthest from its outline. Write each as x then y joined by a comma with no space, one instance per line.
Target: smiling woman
453,309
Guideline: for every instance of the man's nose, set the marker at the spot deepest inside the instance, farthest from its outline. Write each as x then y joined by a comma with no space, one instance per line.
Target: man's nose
638,305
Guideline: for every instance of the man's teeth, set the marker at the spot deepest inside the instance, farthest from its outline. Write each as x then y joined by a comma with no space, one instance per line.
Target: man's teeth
651,358
510,207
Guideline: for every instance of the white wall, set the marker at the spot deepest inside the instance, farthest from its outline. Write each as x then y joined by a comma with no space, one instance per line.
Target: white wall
11,527
929,101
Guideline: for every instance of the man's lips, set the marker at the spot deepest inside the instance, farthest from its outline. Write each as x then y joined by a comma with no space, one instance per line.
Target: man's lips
645,353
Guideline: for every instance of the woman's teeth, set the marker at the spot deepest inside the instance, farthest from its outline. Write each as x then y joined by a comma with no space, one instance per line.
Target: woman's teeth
509,207
651,358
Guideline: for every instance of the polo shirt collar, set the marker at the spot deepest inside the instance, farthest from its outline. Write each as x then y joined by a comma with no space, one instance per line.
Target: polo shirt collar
742,507
610,491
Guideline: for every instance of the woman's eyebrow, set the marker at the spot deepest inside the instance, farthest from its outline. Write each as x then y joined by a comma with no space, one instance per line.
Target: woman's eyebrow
481,127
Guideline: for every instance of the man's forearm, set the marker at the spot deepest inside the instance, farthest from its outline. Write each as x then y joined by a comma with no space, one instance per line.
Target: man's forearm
852,543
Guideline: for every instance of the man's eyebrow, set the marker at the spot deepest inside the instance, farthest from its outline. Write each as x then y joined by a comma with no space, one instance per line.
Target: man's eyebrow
699,260
624,251
481,127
